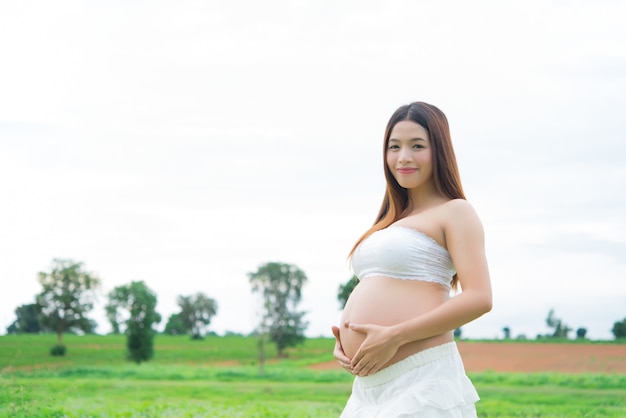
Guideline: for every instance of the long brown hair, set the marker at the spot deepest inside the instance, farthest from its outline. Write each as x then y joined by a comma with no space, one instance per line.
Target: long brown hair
445,170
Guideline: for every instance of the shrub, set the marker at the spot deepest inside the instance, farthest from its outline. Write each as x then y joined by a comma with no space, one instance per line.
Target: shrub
619,329
58,350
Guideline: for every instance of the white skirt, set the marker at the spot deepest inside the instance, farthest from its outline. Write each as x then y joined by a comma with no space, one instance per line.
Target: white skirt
431,383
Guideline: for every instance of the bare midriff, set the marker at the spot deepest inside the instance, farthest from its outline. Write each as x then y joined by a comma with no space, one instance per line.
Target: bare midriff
388,301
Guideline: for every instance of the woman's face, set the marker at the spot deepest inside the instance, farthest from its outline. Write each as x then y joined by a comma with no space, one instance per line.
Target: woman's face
409,154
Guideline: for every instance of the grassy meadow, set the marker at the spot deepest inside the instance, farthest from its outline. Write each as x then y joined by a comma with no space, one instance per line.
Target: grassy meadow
220,377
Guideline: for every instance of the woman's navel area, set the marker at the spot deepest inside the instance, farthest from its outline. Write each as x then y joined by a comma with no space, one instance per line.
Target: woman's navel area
387,301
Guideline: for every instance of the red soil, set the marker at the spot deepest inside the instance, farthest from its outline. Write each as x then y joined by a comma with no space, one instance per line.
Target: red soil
536,357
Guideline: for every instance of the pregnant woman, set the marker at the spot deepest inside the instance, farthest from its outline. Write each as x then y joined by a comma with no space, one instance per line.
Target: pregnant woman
396,331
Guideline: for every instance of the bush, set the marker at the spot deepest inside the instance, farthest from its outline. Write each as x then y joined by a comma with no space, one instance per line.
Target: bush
619,329
58,350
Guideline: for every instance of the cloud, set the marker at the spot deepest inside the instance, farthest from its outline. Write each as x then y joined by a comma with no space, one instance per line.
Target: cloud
186,144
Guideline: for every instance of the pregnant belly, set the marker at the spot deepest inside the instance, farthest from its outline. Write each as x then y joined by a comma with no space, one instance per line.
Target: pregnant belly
387,301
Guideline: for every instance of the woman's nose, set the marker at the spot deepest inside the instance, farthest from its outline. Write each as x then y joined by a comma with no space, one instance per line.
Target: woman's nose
405,155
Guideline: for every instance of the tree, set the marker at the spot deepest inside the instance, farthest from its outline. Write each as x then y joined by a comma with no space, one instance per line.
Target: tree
507,333
114,315
12,329
175,325
560,329
280,286
458,332
619,329
27,320
138,303
196,312
345,290
68,295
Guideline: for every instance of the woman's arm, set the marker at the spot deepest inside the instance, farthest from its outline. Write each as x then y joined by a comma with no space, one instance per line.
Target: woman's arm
465,242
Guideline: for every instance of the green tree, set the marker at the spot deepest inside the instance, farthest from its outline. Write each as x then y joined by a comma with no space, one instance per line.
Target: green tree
581,333
114,315
507,333
560,329
68,295
27,320
196,312
175,325
280,286
458,332
138,303
345,290
619,329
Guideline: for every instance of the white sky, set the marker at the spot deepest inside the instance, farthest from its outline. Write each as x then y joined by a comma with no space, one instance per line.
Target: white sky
186,143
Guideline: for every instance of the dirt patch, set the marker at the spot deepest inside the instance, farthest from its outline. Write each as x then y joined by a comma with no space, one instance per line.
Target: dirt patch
329,365
544,357
535,357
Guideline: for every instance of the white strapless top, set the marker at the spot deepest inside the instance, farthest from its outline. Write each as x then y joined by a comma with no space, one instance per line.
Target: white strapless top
404,253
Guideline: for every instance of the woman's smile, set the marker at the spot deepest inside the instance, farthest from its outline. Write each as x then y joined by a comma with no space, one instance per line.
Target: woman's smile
406,170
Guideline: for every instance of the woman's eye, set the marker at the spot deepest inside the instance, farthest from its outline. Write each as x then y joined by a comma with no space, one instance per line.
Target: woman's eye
418,146
393,147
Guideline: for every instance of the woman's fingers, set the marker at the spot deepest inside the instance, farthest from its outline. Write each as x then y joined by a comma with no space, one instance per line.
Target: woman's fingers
361,329
372,370
366,370
356,363
343,360
362,366
340,356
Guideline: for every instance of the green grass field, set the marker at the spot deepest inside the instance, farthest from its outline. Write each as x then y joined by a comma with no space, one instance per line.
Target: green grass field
219,377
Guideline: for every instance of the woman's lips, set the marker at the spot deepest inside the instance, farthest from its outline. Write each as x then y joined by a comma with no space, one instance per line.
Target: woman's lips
406,170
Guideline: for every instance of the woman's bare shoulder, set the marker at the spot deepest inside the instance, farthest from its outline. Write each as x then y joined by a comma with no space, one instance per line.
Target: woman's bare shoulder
458,206
460,212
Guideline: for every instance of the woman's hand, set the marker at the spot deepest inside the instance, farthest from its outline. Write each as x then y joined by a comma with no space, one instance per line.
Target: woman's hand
377,349
338,353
